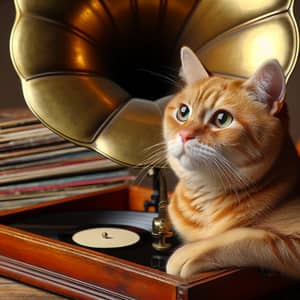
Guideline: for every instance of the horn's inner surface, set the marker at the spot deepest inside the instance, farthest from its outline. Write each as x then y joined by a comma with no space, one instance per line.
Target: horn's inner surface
144,70
140,45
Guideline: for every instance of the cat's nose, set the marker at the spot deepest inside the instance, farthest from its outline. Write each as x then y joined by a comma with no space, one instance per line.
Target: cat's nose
186,135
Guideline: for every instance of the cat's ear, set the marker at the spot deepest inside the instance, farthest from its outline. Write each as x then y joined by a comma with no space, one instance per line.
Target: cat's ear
268,85
191,68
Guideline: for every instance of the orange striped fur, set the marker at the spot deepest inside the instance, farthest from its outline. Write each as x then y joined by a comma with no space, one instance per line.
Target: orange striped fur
237,202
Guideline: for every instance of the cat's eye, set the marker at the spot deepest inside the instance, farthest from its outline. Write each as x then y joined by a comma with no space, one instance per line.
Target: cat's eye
183,113
222,119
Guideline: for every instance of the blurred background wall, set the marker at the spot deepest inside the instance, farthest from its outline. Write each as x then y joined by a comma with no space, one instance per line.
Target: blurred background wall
10,89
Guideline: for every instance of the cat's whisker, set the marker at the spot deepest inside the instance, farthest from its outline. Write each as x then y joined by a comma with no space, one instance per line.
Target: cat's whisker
218,174
155,151
172,69
240,179
205,153
155,159
159,154
141,175
167,78
165,165
212,164
228,176
160,144
223,175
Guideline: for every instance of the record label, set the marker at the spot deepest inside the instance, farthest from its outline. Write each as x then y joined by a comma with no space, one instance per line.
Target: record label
105,237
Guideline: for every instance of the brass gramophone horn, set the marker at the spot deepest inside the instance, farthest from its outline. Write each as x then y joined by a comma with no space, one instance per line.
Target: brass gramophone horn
86,65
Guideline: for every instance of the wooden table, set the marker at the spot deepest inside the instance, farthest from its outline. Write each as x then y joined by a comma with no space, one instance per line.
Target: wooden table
13,290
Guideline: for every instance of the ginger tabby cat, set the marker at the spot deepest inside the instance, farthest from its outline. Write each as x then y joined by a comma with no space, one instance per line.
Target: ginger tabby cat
237,200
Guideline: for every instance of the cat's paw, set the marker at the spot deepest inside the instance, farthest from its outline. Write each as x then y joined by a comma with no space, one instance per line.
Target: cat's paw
189,260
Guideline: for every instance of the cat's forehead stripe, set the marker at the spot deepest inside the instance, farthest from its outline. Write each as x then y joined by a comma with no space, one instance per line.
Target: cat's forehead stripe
208,97
211,100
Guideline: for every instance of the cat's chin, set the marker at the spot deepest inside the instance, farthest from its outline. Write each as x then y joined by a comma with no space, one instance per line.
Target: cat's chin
188,163
183,154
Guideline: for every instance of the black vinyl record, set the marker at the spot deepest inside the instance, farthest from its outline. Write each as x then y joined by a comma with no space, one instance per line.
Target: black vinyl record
63,225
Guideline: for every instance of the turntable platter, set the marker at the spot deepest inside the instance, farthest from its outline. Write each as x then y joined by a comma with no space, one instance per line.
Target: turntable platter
63,226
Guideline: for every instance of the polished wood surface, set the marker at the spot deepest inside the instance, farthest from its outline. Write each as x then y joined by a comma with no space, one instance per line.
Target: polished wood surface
13,290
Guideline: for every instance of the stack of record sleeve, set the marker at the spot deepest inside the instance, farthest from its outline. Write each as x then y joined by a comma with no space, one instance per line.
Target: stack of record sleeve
36,165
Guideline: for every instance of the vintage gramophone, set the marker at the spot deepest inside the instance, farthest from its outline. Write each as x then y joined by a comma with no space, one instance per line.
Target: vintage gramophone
89,69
